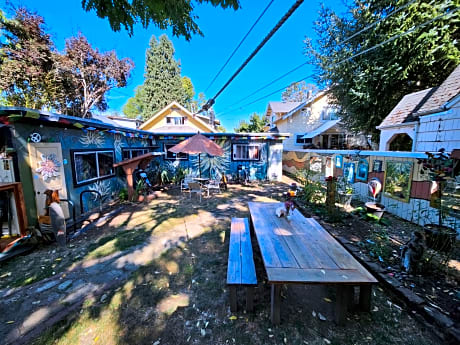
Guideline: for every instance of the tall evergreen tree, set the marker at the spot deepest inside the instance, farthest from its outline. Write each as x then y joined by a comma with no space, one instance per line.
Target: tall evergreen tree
134,106
163,82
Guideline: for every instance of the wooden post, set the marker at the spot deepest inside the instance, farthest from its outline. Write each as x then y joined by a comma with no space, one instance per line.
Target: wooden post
276,303
249,298
232,289
365,293
341,304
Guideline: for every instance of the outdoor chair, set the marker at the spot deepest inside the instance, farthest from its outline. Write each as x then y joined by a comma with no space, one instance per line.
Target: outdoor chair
213,184
184,187
195,187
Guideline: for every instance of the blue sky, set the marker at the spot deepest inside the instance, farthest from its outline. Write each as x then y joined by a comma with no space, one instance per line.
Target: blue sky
202,57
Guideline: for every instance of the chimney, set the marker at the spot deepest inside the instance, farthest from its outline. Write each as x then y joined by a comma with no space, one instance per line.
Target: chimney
309,94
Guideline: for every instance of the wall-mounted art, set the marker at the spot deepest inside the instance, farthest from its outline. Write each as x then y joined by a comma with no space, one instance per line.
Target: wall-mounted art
398,177
339,161
363,168
316,164
349,172
378,166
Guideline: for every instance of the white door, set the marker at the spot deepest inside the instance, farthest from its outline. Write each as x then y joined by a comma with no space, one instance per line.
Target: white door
45,160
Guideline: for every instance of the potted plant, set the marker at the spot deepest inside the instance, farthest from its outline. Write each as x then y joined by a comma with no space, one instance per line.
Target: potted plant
439,168
140,188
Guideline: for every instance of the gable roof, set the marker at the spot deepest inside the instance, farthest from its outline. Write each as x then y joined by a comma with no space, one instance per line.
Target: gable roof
163,112
284,107
403,112
424,102
443,94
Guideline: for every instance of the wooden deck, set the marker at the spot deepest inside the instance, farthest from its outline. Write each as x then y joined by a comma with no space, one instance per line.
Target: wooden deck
300,251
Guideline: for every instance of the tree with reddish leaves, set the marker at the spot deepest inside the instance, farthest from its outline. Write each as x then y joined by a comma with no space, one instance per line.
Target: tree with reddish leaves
92,74
27,61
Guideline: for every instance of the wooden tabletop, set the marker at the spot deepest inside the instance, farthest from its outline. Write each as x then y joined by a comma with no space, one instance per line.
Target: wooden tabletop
299,250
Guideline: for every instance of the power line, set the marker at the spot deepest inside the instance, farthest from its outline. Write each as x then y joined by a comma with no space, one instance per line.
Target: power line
376,22
210,102
265,96
303,64
238,46
355,55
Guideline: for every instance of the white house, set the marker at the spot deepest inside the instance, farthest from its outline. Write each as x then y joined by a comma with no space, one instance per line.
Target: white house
426,120
313,124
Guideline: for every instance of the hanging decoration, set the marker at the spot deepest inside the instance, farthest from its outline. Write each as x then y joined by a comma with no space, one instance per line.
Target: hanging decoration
49,166
35,137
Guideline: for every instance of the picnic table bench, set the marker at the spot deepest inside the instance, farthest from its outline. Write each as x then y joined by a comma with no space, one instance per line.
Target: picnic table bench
241,270
300,251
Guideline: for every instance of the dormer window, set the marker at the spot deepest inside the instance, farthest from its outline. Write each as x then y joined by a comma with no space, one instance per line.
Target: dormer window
175,120
329,113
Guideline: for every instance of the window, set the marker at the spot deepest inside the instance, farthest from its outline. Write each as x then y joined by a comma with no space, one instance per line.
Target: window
128,153
174,156
246,152
90,166
329,114
175,120
300,140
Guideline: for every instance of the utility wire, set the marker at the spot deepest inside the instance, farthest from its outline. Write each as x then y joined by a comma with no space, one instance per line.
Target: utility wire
238,46
376,22
342,42
355,55
210,102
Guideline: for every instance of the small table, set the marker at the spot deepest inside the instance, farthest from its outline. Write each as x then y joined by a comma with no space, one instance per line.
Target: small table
201,179
300,251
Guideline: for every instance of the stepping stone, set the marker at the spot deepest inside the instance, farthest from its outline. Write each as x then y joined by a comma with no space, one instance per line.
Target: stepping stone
65,285
46,286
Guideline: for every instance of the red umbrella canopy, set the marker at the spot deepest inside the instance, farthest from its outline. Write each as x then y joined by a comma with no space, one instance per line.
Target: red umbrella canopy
198,144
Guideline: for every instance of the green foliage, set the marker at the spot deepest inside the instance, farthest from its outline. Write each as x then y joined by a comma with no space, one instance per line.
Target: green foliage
123,194
133,107
379,244
189,90
176,14
256,125
163,83
33,74
298,92
368,86
313,192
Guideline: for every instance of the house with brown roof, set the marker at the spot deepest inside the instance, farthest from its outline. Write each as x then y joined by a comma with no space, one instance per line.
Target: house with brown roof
426,120
312,124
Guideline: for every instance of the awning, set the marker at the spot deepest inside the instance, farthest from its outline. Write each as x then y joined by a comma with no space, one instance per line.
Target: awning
323,128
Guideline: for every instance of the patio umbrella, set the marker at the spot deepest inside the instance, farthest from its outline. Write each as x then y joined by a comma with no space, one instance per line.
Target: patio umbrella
198,144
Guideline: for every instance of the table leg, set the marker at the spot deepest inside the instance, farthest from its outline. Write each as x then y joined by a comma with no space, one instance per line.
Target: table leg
276,303
342,301
232,289
249,298
365,293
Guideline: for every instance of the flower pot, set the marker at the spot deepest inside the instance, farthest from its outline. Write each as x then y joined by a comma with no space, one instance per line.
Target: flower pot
375,209
140,198
441,238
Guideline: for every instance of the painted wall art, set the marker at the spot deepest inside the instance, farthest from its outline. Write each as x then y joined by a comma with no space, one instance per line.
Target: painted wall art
363,168
349,172
398,177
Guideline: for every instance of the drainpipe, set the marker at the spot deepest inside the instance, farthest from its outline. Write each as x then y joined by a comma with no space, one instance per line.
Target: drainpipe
414,140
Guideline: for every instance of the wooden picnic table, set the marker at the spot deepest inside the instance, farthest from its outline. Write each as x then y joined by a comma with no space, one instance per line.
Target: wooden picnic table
300,251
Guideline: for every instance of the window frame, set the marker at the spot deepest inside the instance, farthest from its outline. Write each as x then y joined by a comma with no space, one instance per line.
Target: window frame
90,151
258,145
173,120
328,111
166,158
310,140
130,149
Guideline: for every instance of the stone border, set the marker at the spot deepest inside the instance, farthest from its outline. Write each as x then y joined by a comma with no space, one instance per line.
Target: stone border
439,323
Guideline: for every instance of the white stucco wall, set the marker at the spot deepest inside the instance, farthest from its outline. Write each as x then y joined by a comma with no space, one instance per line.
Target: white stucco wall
275,162
440,130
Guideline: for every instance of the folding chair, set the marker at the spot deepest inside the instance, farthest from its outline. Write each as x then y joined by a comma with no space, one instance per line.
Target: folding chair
195,187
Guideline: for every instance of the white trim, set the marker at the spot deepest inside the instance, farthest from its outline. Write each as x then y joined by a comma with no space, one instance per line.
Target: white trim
98,177
398,125
248,145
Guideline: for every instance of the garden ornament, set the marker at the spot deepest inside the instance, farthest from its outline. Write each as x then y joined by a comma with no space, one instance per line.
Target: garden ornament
375,187
412,252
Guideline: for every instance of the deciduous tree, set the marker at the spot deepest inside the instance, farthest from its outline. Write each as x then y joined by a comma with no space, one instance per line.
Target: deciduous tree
367,86
256,124
299,92
92,74
177,14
